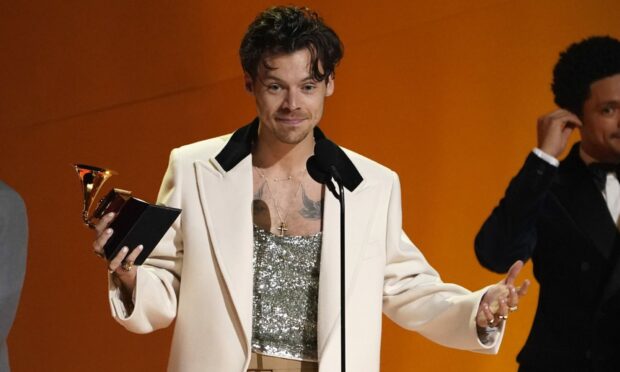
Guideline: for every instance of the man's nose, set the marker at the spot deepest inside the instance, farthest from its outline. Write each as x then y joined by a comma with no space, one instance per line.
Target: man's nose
291,100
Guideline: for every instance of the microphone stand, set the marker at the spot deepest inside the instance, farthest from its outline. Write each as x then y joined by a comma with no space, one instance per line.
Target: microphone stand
328,175
340,196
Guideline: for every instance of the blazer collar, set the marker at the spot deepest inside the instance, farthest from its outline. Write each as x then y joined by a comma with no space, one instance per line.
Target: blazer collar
240,145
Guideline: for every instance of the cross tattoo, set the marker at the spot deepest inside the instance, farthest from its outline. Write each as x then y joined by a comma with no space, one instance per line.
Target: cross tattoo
282,228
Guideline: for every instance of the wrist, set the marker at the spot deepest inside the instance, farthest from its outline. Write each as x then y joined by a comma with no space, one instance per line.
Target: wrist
546,156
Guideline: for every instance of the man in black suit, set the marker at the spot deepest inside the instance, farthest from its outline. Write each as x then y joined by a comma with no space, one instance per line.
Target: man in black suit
13,243
565,217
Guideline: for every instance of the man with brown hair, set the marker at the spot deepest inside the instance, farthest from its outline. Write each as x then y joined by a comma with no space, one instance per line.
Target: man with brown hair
250,270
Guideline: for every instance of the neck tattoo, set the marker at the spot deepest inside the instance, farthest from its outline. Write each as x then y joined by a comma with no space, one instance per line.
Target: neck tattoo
283,226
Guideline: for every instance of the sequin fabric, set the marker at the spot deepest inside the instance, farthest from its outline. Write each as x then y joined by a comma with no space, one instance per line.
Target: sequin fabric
286,289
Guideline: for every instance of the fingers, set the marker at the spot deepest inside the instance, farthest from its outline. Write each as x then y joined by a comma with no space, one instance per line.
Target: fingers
502,314
134,254
485,317
513,297
513,272
554,130
99,243
502,298
103,223
512,300
124,261
516,293
523,289
488,316
560,117
499,301
116,262
103,234
495,295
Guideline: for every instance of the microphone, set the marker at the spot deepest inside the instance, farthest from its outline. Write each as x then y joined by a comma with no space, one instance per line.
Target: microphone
330,161
322,168
321,174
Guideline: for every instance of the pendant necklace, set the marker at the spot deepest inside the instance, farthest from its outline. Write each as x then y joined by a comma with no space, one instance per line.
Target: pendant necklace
283,226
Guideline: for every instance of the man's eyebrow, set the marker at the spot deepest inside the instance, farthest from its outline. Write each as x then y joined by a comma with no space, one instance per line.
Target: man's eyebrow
269,76
311,79
615,102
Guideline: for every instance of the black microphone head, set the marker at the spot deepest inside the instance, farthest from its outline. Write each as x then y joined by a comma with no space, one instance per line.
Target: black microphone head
315,170
320,175
332,160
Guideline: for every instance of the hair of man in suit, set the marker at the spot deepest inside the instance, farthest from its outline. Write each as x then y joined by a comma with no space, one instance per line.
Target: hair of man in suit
288,29
580,65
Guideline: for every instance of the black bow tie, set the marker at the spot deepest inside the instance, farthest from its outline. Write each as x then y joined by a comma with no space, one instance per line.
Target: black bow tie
600,171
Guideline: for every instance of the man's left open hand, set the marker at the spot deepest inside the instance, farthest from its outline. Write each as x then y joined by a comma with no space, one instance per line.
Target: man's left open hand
501,299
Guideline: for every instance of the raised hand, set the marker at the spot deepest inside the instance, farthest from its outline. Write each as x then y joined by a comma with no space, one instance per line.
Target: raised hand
501,299
554,129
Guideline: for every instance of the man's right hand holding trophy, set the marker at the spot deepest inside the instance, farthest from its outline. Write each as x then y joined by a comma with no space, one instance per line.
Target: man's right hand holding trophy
127,229
120,266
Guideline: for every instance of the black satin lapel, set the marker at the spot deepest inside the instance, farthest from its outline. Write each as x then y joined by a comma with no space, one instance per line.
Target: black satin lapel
238,147
332,154
585,204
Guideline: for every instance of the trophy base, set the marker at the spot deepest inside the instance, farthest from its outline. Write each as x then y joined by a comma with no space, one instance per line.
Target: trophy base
136,223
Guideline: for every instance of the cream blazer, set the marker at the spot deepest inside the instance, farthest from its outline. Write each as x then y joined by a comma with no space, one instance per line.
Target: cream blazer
201,272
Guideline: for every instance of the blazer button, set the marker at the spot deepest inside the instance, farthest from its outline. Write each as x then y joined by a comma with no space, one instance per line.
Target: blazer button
585,266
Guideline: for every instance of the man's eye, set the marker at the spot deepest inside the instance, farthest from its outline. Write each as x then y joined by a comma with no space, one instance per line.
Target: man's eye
274,87
608,110
309,87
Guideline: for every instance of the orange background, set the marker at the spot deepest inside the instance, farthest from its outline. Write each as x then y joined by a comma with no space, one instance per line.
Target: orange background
444,92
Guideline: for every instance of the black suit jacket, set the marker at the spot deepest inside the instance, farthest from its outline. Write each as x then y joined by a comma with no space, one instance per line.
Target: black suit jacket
559,219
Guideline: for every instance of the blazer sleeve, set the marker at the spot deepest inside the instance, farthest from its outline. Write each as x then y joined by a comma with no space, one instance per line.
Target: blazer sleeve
13,247
509,233
415,297
156,292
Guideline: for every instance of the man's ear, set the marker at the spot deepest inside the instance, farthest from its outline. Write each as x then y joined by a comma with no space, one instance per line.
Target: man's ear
330,85
248,82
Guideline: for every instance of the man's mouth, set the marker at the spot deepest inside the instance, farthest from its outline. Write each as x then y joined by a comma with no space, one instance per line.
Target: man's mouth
290,120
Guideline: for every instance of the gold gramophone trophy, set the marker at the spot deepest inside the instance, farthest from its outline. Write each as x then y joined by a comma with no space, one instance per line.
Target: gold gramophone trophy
136,222
92,179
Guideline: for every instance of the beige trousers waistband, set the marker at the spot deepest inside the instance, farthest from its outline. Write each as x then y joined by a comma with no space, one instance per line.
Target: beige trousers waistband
264,363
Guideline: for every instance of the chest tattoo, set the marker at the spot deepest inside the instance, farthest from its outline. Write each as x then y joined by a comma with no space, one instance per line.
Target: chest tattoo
311,209
260,210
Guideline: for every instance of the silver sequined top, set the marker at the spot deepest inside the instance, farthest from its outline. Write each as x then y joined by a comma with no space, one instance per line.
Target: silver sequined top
286,289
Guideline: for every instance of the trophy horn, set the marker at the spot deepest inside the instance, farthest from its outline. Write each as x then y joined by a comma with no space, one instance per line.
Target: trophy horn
92,179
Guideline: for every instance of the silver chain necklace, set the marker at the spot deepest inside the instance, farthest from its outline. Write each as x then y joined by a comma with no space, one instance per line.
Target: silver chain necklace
283,226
